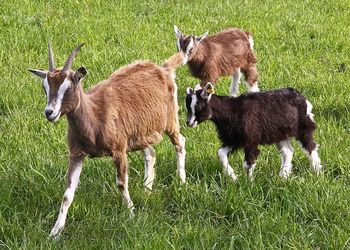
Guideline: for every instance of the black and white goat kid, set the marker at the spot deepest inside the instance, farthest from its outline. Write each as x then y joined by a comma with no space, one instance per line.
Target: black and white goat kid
252,119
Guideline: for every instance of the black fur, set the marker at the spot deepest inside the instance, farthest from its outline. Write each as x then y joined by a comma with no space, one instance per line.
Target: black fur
254,119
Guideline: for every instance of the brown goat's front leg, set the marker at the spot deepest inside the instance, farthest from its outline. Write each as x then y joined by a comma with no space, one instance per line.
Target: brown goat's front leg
121,163
74,170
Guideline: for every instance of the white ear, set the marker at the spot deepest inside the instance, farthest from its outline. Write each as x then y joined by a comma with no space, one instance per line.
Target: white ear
207,91
200,38
39,72
197,87
189,91
177,32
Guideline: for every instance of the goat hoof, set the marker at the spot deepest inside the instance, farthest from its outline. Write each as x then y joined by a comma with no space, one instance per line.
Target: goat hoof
55,233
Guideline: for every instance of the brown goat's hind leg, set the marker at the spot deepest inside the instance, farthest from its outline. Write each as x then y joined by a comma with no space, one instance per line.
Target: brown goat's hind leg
74,170
251,76
121,163
179,142
150,160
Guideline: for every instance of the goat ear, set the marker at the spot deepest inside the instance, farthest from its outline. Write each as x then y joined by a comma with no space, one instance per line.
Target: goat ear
79,74
39,72
200,38
189,91
177,32
197,87
207,91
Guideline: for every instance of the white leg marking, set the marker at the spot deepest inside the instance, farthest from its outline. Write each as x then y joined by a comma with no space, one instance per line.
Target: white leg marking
236,79
180,157
315,161
68,196
125,193
253,88
223,153
150,160
249,169
309,110
286,151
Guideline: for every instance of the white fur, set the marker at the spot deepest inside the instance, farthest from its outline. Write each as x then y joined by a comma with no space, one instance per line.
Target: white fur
253,88
236,79
286,151
197,87
193,122
67,199
180,157
46,87
223,156
177,31
56,104
189,47
178,45
315,161
249,169
125,193
251,42
309,110
150,160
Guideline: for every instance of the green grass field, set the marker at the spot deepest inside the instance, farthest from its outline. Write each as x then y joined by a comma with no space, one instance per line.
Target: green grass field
301,44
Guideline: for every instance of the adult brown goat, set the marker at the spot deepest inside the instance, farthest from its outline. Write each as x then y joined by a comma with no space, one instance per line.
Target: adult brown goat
129,111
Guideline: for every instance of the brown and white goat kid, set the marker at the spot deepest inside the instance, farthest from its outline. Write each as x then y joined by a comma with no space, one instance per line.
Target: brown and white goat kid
252,119
228,52
129,111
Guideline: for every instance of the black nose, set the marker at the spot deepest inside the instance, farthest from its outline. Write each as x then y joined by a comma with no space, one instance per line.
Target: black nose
48,112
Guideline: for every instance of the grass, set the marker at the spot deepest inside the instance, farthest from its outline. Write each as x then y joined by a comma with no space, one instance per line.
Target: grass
303,44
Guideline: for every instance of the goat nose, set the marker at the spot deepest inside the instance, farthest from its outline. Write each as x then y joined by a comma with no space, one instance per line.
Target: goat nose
48,112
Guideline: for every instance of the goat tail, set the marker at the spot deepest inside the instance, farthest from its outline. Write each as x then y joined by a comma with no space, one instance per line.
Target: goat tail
174,61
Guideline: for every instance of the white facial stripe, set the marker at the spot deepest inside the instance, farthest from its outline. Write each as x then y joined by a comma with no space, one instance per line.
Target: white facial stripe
56,105
189,46
184,61
47,88
193,105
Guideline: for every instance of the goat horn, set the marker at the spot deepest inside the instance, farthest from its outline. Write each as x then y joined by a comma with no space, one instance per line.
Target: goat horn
70,58
51,61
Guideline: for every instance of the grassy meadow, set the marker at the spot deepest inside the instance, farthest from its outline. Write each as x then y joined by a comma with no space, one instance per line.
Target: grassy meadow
301,44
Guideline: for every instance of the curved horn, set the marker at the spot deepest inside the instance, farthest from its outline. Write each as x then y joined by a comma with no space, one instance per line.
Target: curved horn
51,61
70,58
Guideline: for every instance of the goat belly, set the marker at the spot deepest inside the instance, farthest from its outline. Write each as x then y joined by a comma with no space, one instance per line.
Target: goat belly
140,143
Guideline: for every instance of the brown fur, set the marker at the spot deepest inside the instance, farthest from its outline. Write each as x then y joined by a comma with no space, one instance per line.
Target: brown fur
128,111
221,55
131,110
